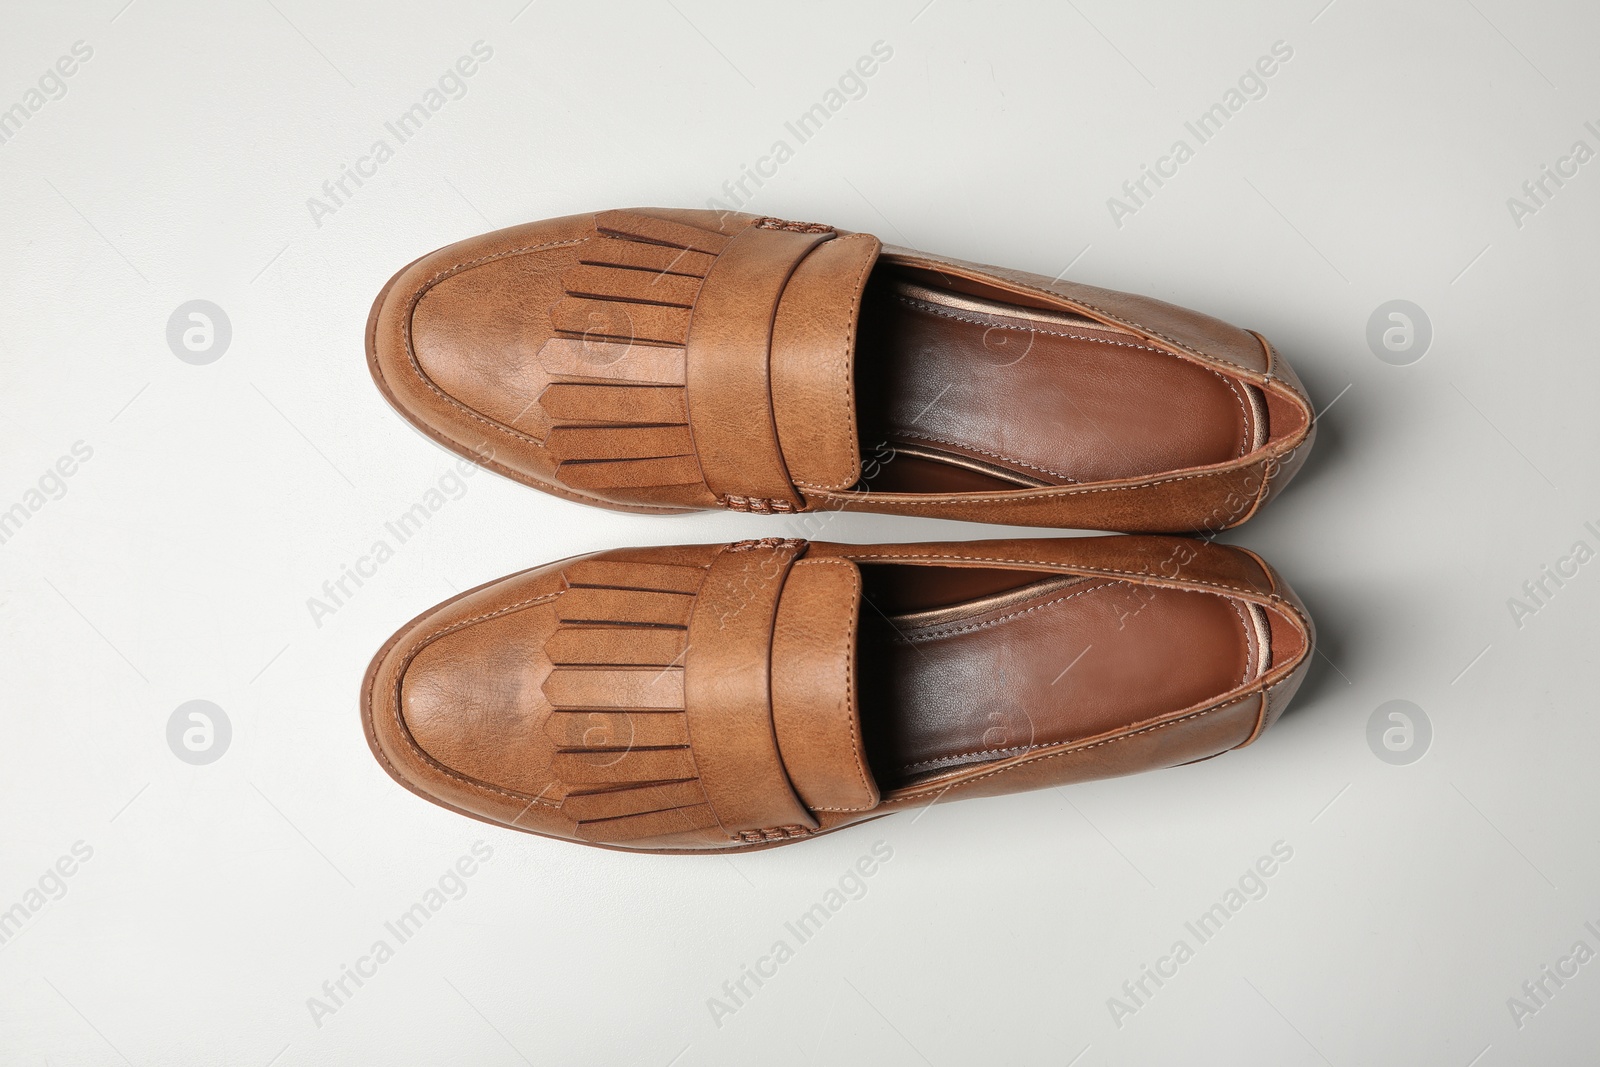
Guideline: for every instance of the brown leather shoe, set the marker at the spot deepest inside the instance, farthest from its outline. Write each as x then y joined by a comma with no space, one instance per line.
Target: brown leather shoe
707,698
663,360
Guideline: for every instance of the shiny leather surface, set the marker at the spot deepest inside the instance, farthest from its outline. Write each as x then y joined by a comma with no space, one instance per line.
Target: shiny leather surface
663,360
1036,400
714,698
1070,661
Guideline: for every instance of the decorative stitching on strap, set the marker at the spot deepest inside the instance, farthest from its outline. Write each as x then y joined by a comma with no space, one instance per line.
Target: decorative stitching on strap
760,505
1072,751
850,687
765,542
769,223
774,833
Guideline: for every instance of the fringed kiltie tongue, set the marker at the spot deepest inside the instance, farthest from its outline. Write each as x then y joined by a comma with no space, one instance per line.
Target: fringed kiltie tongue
619,417
714,700
683,356
622,742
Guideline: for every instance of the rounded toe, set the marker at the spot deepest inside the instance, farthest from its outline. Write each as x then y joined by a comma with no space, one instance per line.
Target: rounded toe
452,708
454,340
478,345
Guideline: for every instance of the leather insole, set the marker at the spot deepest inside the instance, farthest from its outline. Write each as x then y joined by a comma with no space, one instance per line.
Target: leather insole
974,394
1051,660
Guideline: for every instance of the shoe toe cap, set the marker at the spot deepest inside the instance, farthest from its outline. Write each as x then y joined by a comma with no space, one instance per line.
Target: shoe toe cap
454,709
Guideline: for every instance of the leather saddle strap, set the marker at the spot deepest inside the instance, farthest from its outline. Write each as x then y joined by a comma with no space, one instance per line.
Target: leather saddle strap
728,377
727,695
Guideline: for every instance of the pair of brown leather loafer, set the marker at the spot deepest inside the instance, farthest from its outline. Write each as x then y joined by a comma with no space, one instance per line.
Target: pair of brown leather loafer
723,698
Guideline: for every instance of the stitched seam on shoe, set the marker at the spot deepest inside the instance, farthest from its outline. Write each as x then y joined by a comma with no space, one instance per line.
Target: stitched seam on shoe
1273,468
1015,749
1300,398
1249,639
934,309
1266,570
1264,454
422,290
1012,751
1279,684
1073,490
843,368
405,731
1246,419
1072,568
416,369
1266,710
758,505
907,639
1230,382
849,683
1073,751
1080,302
1119,320
932,439
1221,706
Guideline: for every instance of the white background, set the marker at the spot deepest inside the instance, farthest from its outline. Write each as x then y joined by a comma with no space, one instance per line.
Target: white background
179,561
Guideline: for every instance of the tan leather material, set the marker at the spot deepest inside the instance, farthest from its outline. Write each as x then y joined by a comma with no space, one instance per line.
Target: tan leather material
1037,399
1292,639
1293,421
697,698
814,708
728,689
813,363
1208,500
560,353
728,373
1088,645
1168,742
1201,337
